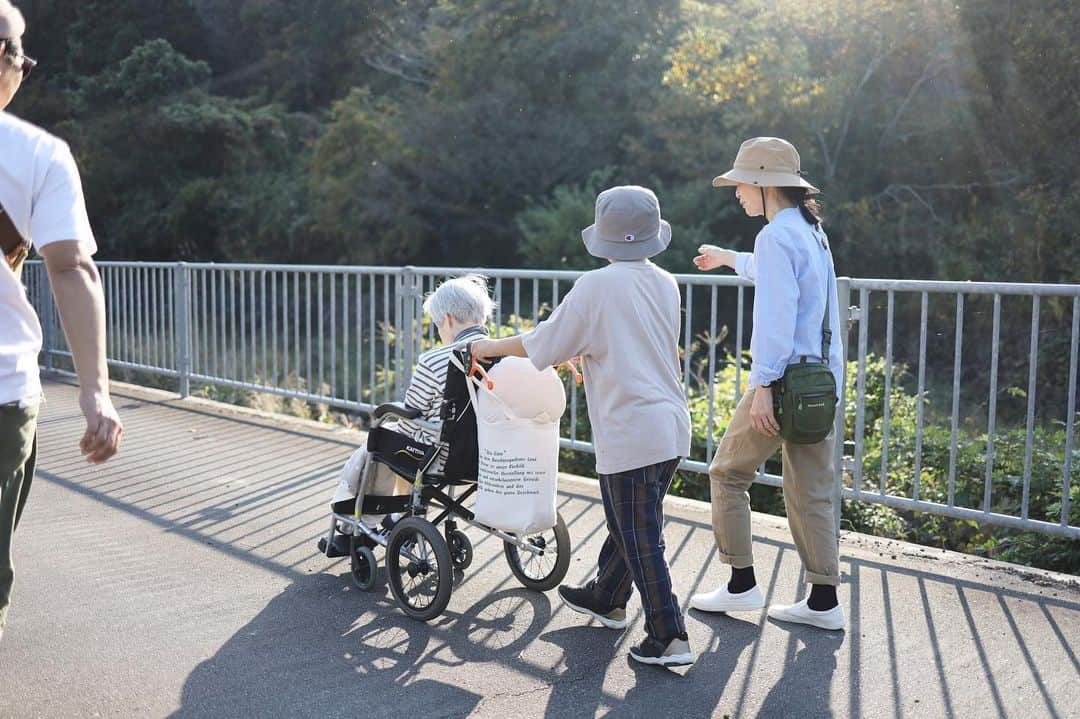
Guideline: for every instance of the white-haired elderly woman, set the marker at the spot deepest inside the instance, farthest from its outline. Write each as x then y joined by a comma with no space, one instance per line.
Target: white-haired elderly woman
460,308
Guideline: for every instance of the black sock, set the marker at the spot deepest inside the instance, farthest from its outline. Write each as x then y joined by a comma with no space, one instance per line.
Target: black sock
822,597
741,580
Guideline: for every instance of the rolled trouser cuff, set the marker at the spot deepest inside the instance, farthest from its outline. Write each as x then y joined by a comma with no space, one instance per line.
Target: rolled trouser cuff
830,579
738,561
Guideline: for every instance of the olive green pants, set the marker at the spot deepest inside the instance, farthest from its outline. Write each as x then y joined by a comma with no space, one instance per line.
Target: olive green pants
18,452
809,495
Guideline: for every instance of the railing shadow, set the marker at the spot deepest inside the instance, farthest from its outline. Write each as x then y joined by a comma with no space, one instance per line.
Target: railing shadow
809,665
305,654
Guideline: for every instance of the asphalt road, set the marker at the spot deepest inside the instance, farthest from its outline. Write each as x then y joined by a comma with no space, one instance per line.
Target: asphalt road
182,580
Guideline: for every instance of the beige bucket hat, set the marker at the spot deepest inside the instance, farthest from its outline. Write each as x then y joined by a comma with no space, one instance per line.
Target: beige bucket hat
628,225
766,162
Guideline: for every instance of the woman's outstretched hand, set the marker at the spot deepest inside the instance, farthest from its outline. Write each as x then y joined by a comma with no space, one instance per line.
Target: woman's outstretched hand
710,257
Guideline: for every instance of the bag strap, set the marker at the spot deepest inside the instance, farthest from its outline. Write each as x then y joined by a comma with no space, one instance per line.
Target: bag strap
471,383
12,244
826,333
474,385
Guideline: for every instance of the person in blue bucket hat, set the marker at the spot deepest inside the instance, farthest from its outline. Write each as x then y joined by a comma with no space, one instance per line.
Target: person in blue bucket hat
623,322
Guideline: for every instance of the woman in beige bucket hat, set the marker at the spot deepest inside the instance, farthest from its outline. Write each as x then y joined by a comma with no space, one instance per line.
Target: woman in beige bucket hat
795,286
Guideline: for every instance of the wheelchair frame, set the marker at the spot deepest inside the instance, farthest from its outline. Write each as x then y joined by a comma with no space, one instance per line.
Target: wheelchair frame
426,492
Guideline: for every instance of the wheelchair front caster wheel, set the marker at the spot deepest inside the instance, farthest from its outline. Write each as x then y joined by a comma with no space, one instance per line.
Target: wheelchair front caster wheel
461,549
364,568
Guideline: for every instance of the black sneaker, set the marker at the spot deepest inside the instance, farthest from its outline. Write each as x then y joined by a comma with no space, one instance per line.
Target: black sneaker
583,600
383,528
339,547
673,653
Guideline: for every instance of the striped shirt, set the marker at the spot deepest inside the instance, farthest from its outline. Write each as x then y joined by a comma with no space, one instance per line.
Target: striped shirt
425,391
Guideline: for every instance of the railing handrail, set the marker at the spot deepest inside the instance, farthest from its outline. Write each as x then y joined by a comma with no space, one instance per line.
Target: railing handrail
281,329
880,284
967,287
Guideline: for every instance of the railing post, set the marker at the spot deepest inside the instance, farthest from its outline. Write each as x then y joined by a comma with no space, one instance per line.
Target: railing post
181,303
843,302
407,330
397,357
48,321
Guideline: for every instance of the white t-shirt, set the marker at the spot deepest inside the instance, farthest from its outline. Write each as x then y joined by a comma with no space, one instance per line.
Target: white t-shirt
623,321
41,193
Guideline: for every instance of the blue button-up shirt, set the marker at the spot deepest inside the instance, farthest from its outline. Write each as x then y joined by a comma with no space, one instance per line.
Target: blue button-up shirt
791,268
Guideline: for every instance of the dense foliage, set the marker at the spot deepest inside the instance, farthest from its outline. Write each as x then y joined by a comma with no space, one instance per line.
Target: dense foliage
446,132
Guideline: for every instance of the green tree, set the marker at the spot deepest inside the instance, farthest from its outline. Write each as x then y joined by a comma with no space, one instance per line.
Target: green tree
221,183
364,204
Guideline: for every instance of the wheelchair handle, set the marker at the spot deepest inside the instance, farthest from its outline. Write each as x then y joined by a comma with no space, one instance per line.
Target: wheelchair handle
573,370
475,368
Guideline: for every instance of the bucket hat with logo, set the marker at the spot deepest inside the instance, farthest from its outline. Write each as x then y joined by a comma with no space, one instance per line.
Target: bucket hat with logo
628,225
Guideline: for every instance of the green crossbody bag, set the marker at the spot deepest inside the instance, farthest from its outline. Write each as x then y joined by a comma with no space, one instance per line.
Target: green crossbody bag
805,398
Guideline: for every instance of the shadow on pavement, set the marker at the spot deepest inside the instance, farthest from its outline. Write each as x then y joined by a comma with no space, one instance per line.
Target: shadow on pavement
308,653
320,649
715,666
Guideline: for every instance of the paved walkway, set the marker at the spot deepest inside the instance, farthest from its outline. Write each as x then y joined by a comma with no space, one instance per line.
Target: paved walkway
182,580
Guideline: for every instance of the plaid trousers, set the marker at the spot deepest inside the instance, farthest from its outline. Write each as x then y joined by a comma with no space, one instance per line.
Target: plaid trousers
633,553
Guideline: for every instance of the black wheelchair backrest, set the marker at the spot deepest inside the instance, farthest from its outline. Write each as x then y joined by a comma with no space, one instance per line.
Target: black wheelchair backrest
459,421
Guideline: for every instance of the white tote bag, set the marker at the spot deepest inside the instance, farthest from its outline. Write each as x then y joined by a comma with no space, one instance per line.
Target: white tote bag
519,458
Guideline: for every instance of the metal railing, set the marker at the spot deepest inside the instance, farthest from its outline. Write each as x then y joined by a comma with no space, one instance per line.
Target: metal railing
349,336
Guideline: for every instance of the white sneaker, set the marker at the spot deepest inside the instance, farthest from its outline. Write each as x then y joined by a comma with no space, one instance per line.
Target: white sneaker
802,614
721,600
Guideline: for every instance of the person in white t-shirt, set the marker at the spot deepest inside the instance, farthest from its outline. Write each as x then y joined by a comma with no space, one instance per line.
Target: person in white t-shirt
42,206
623,321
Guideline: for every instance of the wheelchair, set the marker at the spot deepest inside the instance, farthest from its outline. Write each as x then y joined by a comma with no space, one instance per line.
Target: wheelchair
420,561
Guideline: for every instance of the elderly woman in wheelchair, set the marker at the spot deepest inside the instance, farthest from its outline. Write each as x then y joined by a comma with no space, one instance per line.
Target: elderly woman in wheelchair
421,458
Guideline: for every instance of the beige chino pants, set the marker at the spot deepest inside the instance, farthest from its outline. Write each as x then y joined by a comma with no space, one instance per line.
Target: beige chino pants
809,485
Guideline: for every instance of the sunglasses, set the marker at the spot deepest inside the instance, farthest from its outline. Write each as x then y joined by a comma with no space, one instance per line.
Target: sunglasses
24,62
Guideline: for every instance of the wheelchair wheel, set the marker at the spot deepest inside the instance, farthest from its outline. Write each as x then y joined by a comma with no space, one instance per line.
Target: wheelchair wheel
544,569
364,568
420,568
461,549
